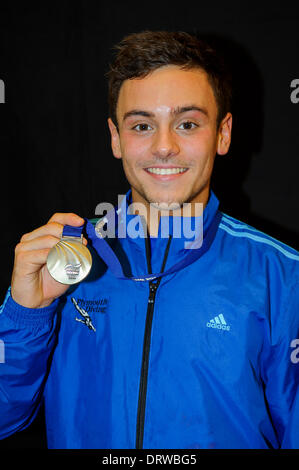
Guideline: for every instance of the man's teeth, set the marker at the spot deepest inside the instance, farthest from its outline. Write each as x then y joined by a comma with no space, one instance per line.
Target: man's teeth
166,171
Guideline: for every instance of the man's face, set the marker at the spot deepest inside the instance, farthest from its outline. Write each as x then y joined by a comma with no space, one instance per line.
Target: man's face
168,136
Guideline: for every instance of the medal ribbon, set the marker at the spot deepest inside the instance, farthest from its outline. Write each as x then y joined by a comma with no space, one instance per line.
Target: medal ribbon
70,231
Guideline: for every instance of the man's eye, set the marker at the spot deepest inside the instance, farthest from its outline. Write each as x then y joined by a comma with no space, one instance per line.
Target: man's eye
142,127
187,125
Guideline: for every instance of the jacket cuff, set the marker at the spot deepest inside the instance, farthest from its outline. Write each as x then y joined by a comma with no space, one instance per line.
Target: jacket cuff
28,317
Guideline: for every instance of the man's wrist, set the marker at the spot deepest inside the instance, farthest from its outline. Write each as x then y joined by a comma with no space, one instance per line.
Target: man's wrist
29,317
27,303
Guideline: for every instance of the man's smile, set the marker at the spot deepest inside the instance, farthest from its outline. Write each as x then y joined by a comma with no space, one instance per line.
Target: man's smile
165,173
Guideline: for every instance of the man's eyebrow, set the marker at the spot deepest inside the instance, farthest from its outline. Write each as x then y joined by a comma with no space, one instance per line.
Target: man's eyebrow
138,112
175,111
192,107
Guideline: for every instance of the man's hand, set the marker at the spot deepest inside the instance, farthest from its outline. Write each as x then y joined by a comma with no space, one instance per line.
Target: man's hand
32,286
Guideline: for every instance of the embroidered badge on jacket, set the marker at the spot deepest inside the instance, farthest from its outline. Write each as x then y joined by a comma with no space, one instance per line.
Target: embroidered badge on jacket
86,320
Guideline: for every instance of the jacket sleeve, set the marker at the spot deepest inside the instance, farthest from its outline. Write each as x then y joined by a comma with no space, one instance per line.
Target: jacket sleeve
27,338
281,371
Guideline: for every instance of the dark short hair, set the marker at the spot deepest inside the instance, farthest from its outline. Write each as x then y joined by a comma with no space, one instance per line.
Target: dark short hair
138,54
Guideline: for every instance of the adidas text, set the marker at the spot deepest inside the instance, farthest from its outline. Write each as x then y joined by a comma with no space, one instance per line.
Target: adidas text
219,323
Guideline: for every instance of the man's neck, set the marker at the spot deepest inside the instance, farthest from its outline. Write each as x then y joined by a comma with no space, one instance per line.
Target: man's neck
153,214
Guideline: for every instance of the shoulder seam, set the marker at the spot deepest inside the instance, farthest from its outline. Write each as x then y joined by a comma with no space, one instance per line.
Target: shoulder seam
242,225
260,237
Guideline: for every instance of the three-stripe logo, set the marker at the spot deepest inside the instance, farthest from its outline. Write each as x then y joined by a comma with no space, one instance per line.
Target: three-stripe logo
219,323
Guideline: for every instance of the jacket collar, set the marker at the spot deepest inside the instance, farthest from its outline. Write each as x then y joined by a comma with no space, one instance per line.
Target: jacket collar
126,254
180,243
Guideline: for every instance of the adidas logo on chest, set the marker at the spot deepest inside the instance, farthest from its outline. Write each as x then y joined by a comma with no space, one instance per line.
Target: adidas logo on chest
219,323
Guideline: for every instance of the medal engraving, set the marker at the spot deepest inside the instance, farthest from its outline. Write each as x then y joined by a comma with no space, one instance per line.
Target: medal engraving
72,270
69,261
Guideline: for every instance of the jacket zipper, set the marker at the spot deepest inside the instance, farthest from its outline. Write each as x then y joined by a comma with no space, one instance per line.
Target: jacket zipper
153,286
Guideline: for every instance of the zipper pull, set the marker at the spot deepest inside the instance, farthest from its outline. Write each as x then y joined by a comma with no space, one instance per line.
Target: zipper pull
153,288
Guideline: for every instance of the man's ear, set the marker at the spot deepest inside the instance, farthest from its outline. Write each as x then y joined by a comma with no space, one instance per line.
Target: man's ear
115,142
224,134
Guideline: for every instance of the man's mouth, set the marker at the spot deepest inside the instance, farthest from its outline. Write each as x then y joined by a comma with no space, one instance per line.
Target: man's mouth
165,171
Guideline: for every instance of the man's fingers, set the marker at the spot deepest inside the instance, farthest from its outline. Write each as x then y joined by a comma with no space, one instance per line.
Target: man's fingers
36,261
46,241
52,228
67,219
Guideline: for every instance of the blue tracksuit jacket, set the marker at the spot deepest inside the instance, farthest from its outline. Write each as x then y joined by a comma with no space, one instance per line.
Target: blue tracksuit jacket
205,357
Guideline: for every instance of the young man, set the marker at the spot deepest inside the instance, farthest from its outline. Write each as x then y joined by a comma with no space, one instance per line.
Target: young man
197,355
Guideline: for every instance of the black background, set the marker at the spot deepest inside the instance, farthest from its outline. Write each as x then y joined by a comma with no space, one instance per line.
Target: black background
54,140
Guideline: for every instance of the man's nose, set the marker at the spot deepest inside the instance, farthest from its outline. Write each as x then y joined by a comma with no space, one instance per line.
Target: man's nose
165,144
